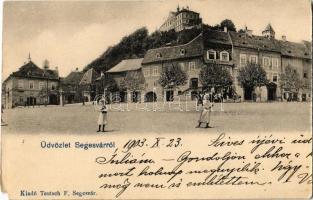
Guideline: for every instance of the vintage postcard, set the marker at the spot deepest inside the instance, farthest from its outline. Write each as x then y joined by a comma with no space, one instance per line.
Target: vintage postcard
178,99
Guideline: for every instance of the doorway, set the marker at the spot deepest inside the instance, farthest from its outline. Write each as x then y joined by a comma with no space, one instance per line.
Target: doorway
271,91
248,93
135,96
169,95
150,97
53,99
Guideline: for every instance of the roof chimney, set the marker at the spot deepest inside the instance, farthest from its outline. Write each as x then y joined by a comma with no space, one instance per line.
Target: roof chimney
225,29
248,31
46,64
284,38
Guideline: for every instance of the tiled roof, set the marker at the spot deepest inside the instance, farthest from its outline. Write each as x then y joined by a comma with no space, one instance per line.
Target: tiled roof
73,78
213,36
191,49
31,70
89,77
255,42
127,65
292,49
138,75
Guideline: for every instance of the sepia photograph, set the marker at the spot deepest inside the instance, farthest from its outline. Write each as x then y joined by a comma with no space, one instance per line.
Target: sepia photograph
112,77
173,71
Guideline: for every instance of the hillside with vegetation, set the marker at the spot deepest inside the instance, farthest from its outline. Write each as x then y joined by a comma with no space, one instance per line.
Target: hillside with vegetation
136,44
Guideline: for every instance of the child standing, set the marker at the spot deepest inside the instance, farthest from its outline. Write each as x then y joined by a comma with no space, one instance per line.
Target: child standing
102,120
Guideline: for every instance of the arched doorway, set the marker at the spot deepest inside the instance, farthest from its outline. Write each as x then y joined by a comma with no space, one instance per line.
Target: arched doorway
194,83
271,91
53,99
248,93
150,97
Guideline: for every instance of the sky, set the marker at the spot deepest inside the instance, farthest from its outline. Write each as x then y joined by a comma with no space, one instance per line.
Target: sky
72,34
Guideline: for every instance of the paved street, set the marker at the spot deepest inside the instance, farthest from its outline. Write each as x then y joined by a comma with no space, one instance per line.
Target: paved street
236,117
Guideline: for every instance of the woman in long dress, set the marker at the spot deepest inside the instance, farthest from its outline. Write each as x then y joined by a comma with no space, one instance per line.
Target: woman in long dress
102,119
206,112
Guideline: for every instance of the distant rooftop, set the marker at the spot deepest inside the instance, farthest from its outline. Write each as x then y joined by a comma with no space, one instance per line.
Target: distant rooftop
31,70
89,77
73,78
191,49
127,65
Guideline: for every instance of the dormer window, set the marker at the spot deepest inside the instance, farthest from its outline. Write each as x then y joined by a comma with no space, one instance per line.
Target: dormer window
158,55
254,59
224,56
182,52
211,55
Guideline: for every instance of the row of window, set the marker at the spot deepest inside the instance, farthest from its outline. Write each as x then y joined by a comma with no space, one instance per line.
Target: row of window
187,15
155,70
31,85
268,63
211,55
193,83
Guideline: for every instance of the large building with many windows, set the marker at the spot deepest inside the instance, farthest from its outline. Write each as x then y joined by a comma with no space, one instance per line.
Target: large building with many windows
231,50
181,19
30,86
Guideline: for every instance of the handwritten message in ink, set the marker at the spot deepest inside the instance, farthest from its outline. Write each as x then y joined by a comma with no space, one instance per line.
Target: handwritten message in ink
260,162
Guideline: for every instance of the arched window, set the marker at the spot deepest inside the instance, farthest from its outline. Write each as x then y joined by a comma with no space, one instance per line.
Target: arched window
211,55
193,83
182,52
224,56
158,55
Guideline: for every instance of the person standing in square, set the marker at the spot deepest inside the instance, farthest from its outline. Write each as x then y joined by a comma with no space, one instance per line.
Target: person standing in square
206,112
102,119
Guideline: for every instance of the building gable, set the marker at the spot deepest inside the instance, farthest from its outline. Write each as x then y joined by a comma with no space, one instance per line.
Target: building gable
31,70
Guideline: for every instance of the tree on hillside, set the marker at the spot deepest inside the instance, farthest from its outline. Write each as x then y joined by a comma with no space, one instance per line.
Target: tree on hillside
187,35
241,31
229,24
220,27
158,39
250,77
290,81
216,76
129,47
172,76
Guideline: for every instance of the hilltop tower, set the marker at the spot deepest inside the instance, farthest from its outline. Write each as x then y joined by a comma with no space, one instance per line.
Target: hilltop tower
269,32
